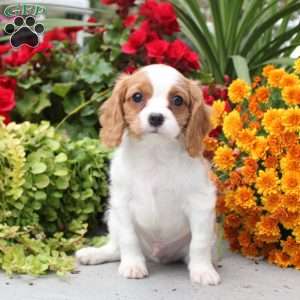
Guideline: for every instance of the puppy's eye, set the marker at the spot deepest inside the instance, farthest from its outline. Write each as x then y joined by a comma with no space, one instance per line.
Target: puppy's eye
137,97
177,100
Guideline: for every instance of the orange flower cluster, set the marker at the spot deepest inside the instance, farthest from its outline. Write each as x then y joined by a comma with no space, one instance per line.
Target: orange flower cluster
257,166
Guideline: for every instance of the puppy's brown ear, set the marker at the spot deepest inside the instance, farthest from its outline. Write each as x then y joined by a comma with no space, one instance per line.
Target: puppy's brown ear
112,116
199,122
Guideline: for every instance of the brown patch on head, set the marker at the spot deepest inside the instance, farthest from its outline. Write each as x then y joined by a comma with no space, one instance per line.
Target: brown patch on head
120,111
181,112
198,124
137,83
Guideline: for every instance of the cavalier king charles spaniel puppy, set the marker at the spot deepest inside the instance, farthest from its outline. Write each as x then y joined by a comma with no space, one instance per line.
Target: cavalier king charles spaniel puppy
162,201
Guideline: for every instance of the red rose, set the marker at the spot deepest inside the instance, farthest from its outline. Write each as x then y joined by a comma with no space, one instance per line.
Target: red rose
4,48
8,82
165,17
6,116
19,57
157,49
57,34
136,39
43,47
177,51
161,15
130,21
7,100
192,60
147,9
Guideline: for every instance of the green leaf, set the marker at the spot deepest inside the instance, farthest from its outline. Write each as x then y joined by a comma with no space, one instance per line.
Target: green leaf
62,183
241,68
61,157
61,172
41,181
62,89
38,168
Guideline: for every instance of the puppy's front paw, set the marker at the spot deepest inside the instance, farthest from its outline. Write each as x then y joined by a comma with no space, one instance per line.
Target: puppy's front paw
88,256
133,269
205,275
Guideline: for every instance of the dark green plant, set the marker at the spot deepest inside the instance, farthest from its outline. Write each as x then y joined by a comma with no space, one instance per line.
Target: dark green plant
51,189
245,34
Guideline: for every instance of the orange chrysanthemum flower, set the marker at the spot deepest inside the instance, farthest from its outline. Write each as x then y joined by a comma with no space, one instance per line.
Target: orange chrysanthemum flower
234,179
224,158
272,121
274,145
262,94
290,247
291,202
279,258
275,77
291,95
272,202
267,69
218,110
291,119
259,147
232,124
289,164
254,107
267,229
210,144
289,139
238,91
271,162
245,197
267,181
294,151
246,139
288,219
290,182
289,80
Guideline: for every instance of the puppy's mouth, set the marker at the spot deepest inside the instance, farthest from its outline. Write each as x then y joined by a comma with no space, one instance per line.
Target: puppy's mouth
154,130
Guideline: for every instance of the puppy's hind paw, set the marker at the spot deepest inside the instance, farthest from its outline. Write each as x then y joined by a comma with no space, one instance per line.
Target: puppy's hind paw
204,275
89,256
133,270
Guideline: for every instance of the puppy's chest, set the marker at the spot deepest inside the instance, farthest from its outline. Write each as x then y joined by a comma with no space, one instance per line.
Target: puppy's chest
158,201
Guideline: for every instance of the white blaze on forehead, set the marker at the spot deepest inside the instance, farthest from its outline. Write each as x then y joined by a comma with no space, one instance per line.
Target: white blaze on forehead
162,79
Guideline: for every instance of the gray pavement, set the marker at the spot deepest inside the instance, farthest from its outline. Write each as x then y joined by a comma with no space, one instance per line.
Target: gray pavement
242,279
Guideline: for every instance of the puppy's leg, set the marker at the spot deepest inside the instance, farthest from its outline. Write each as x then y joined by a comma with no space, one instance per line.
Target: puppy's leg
107,253
133,263
93,255
201,214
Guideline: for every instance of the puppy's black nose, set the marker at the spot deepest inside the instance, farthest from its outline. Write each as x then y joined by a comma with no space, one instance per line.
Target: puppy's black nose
156,119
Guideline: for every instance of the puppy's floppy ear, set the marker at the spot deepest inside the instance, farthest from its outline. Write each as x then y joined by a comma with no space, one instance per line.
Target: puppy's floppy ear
112,115
199,122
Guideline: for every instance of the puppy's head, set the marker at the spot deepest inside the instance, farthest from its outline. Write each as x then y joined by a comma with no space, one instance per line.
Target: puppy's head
156,99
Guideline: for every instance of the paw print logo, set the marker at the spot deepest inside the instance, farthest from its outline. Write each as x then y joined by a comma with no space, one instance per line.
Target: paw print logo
24,31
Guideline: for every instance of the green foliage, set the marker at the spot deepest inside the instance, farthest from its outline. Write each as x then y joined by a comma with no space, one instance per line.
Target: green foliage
51,189
247,29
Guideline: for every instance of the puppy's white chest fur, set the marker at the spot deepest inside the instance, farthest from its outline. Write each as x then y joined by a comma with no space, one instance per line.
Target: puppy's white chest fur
159,177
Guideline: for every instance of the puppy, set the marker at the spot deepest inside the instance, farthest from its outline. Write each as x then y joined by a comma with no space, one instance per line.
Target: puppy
162,202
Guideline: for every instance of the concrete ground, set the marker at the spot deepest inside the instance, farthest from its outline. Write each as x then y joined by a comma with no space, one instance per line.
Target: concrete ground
242,279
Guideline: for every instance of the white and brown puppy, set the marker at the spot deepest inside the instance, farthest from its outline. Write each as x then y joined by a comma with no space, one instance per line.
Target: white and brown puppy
162,202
